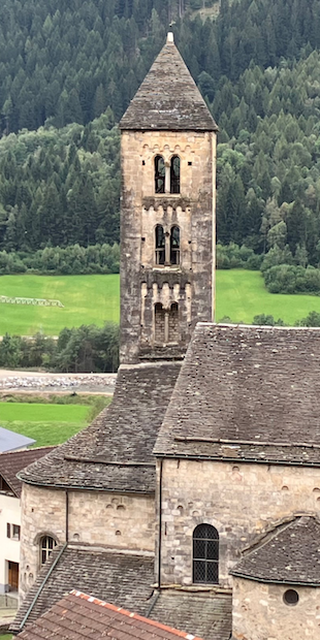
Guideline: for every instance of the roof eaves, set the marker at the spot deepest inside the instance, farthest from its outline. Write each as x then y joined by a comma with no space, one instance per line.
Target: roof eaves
239,574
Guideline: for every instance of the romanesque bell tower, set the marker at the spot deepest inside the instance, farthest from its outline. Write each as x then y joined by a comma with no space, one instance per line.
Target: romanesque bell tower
168,152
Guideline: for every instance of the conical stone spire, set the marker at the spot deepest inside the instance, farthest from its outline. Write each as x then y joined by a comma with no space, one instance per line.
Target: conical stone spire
168,98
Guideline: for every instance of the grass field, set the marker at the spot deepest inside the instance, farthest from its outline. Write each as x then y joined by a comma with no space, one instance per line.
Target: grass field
95,299
86,300
47,424
241,295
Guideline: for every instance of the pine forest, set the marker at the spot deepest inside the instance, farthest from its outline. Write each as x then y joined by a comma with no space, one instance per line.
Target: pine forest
68,72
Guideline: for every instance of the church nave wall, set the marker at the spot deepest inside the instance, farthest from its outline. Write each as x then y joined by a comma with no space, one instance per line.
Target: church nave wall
115,520
242,501
94,517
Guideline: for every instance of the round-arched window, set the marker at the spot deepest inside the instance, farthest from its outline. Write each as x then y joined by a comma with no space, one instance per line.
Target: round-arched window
159,174
206,554
47,544
175,175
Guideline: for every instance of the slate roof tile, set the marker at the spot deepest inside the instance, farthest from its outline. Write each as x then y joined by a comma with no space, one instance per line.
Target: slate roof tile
291,554
246,393
115,451
125,579
79,616
168,98
204,614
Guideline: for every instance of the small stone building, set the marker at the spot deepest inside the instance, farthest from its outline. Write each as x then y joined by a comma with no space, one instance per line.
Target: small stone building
194,498
276,586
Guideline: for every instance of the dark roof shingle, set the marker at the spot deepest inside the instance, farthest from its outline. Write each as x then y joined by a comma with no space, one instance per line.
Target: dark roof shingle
124,579
115,451
81,616
291,555
204,614
168,98
246,393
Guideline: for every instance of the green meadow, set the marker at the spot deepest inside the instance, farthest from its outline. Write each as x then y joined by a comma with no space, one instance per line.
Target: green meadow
48,424
92,299
95,299
241,295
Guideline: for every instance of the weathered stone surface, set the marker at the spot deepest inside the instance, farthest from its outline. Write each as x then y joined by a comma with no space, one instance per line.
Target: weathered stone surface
246,393
168,98
143,282
206,614
115,451
260,613
243,501
290,554
122,578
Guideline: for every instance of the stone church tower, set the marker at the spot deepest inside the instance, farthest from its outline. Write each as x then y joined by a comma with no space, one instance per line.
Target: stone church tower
168,151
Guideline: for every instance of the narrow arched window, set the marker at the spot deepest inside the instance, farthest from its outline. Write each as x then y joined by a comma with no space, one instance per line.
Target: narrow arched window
206,554
159,323
160,244
175,245
47,544
175,175
159,174
174,323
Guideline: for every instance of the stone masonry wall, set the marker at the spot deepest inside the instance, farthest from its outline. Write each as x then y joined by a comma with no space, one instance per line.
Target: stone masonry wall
260,613
143,283
242,501
115,520
100,518
43,513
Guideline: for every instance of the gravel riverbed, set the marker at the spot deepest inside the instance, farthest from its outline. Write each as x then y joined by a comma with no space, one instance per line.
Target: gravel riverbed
57,382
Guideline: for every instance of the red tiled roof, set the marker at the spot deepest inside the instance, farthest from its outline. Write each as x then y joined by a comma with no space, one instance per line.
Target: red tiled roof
79,616
13,462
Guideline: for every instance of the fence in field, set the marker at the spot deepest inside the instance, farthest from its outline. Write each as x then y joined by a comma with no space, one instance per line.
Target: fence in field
37,302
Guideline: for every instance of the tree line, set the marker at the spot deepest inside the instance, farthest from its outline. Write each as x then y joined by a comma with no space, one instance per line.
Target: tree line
84,349
74,260
62,66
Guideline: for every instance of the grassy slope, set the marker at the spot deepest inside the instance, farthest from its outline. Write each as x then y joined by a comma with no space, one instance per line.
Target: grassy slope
95,299
241,295
86,300
47,424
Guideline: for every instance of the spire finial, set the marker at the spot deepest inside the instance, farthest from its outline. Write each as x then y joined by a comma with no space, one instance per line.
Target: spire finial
170,39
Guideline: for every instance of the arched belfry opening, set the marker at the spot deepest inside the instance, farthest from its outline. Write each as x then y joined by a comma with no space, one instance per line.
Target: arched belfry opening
166,324
159,174
160,244
175,174
175,245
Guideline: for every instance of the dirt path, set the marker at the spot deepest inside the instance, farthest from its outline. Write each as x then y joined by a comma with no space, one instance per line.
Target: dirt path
31,381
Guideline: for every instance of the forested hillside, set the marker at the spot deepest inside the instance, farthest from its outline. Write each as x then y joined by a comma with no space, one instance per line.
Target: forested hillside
64,64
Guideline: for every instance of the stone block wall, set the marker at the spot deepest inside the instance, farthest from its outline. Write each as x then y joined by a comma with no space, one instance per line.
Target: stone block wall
97,518
260,613
115,520
43,512
243,501
143,282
